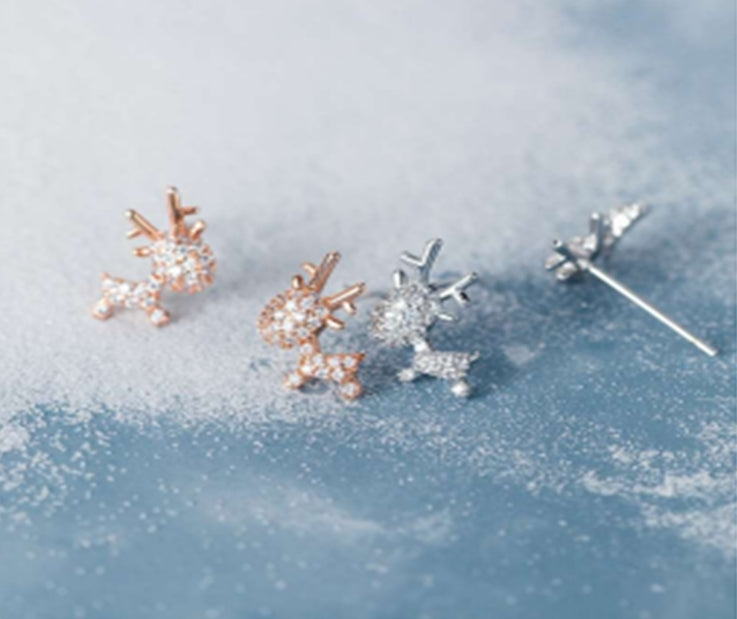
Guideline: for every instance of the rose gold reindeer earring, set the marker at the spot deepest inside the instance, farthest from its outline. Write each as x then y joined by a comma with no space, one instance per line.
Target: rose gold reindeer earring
297,317
180,260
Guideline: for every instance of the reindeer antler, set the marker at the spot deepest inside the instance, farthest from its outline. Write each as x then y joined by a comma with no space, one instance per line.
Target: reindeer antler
177,213
145,227
424,263
456,289
179,227
345,298
319,275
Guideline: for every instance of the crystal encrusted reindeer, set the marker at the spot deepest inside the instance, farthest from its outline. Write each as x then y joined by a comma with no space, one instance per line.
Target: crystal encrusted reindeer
179,260
406,315
297,317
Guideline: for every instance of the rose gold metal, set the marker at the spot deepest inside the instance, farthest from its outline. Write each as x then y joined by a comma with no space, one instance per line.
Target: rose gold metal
297,317
142,226
180,261
142,252
197,229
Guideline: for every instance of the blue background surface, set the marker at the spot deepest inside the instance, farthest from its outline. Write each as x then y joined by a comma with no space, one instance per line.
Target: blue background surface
591,475
336,519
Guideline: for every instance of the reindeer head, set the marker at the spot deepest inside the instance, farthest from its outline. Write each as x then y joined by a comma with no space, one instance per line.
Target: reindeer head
300,313
180,259
408,312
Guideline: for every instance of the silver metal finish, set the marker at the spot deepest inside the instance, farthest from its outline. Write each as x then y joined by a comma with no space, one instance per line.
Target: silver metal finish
576,257
406,315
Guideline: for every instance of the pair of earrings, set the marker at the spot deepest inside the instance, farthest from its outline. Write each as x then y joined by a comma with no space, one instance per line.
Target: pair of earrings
295,318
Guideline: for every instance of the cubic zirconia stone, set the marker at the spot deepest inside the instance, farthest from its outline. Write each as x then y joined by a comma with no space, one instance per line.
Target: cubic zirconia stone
461,389
159,316
349,390
405,314
293,379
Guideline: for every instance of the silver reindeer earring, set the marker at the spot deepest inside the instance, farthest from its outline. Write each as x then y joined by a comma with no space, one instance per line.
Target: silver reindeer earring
406,315
577,256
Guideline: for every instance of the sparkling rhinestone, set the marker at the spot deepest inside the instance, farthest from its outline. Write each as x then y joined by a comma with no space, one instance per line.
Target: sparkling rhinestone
293,379
159,316
349,390
461,389
102,308
303,333
405,314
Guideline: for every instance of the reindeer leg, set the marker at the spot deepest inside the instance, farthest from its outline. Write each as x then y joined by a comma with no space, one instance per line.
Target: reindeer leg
407,375
460,388
350,388
105,307
295,380
158,316
343,369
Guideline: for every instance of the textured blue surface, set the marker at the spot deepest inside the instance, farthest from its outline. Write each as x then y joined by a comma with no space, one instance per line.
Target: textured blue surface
369,519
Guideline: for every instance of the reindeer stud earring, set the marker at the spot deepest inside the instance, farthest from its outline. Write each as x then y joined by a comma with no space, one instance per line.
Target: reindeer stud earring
576,257
406,315
179,260
298,316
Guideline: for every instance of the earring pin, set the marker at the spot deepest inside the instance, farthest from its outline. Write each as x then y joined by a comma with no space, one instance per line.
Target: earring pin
578,255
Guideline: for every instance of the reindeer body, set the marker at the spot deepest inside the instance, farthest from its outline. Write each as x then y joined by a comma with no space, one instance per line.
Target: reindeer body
119,293
296,318
340,368
406,315
179,260
450,366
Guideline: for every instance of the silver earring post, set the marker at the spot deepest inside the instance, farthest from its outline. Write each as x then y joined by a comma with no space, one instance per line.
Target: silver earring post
577,256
